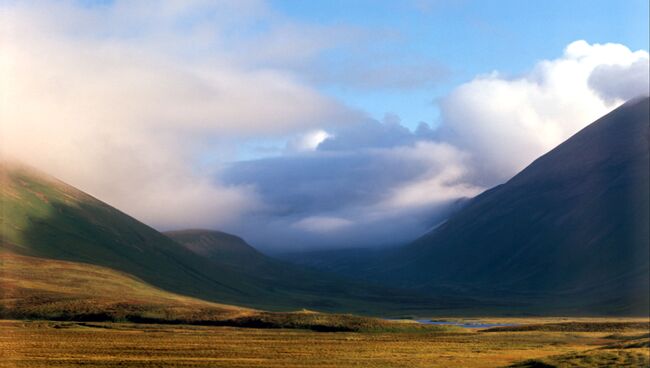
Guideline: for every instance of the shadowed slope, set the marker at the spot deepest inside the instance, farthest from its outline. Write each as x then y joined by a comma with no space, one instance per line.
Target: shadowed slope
219,247
572,229
226,250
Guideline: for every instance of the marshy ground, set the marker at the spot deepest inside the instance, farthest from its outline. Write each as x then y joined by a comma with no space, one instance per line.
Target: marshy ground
582,343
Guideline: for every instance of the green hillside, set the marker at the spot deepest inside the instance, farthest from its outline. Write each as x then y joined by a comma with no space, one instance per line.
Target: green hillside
45,288
44,217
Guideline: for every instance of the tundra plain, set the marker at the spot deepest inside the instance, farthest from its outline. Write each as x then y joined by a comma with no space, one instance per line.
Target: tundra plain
544,342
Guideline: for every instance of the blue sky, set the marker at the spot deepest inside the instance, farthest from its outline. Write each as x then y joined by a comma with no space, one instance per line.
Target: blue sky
472,37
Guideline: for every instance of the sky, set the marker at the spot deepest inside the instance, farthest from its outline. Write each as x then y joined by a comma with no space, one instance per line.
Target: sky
307,124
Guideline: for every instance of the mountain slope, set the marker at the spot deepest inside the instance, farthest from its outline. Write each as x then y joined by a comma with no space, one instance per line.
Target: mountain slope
46,218
572,229
229,251
220,247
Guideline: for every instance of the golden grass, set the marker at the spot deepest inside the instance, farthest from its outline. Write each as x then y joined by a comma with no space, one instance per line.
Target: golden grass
67,344
49,288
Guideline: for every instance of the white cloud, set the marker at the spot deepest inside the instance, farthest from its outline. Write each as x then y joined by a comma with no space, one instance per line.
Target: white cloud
443,179
125,100
308,141
622,82
505,123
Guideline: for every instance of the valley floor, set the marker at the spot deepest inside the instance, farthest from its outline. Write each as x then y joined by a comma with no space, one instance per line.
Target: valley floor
70,344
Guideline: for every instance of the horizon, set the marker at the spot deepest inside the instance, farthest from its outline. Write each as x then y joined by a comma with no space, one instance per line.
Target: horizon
304,127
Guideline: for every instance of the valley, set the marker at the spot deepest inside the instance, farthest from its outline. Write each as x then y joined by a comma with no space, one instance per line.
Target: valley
83,283
324,184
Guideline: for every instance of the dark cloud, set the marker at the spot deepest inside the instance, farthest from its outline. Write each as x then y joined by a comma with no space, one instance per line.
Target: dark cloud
372,183
372,133
621,82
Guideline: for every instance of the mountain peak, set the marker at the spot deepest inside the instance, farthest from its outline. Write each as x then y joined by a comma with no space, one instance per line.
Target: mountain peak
572,228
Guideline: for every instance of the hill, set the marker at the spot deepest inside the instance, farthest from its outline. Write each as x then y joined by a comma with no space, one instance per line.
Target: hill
46,218
570,232
229,251
45,288
220,247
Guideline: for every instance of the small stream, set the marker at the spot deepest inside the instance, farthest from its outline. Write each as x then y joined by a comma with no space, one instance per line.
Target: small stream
476,324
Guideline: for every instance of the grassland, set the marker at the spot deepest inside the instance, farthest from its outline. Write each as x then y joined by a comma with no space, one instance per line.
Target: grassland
70,344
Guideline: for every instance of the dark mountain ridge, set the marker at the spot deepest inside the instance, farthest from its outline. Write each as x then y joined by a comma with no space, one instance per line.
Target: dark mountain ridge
572,227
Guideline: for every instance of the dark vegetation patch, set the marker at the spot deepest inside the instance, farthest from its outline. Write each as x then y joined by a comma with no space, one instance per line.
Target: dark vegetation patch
318,322
591,358
575,327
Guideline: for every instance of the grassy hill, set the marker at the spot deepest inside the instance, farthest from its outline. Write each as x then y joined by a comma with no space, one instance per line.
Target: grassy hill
46,218
44,288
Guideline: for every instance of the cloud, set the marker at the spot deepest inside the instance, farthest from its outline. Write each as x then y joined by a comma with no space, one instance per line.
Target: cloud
308,141
146,105
371,133
621,82
505,123
322,224
373,182
126,100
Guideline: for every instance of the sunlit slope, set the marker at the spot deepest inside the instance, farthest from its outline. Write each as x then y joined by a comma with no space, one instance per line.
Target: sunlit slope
46,218
571,230
45,288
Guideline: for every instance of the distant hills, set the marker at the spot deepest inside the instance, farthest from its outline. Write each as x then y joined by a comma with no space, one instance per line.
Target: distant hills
570,233
45,218
336,293
220,247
